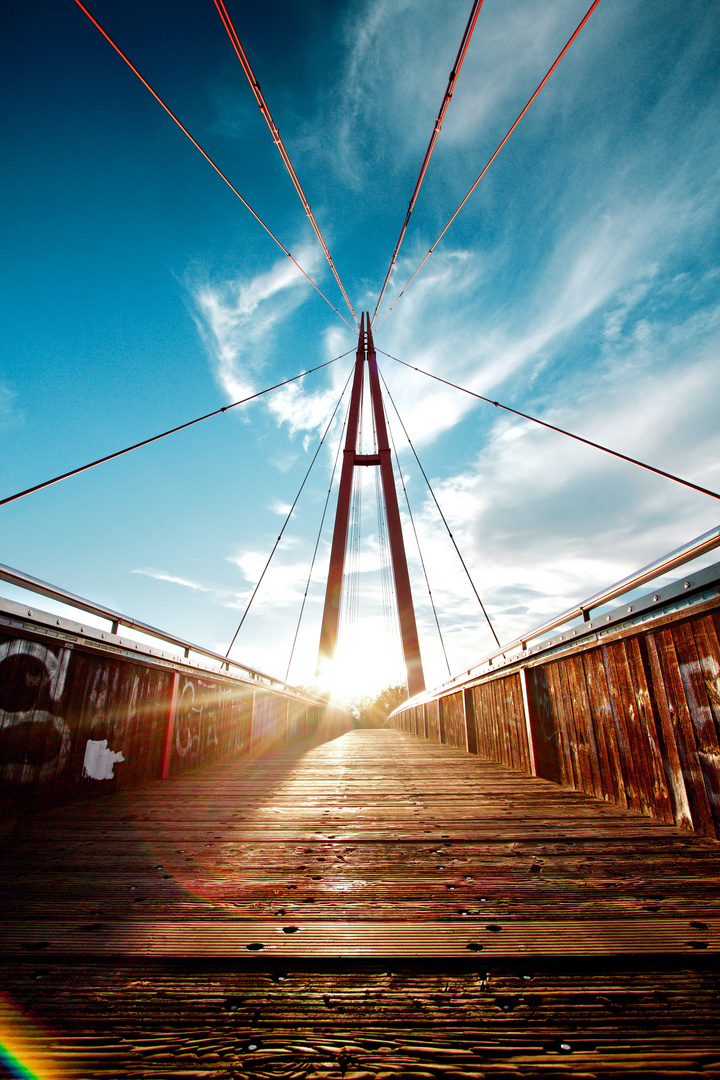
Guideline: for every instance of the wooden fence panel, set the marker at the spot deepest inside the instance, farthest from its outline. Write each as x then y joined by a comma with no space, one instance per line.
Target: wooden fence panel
470,723
546,741
75,721
453,715
432,721
649,741
514,717
702,680
35,740
417,725
633,718
296,720
269,723
485,735
606,733
499,722
569,768
685,676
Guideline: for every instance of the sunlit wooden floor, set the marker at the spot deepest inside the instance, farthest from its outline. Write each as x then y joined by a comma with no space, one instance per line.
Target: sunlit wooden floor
373,906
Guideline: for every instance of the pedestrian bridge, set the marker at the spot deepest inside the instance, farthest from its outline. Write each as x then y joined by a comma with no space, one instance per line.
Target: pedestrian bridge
207,873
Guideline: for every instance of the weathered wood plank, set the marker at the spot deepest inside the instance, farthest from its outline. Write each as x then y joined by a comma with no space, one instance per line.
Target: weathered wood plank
231,938
395,1023
422,914
671,655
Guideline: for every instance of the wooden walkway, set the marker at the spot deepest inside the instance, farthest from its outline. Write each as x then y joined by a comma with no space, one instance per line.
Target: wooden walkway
373,906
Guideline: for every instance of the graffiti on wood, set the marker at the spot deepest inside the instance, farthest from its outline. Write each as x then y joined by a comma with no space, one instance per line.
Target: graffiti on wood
633,720
73,720
100,760
35,740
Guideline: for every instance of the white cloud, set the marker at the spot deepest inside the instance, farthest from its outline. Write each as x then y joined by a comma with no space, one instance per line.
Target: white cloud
301,409
389,119
239,321
227,596
281,508
543,523
558,291
609,261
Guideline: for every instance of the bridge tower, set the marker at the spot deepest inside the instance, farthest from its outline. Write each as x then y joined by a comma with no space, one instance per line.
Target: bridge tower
382,460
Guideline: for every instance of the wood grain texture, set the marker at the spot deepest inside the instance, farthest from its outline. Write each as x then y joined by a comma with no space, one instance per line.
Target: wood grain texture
61,700
373,906
423,845
632,718
389,1022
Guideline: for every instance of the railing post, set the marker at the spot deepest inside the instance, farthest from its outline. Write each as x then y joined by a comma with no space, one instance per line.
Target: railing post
528,723
470,729
169,727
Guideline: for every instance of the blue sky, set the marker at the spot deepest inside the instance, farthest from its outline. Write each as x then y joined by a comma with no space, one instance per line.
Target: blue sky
580,283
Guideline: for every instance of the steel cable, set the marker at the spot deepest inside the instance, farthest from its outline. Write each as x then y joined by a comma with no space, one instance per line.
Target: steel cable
437,504
163,434
350,591
417,538
319,535
287,519
207,157
259,97
477,4
387,576
492,159
562,431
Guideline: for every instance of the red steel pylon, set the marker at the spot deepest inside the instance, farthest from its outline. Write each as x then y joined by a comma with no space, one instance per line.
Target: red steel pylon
351,460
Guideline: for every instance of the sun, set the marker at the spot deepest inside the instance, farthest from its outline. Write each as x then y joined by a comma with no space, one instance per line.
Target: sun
367,660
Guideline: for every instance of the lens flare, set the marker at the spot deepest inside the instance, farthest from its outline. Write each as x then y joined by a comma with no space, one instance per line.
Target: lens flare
26,1051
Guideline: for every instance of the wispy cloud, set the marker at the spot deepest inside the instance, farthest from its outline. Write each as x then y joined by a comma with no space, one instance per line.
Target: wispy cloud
238,319
228,597
9,416
544,523
614,252
239,322
283,585
388,120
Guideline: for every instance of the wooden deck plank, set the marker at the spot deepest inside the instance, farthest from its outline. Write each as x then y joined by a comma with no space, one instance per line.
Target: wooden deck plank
377,842
392,1023
449,917
307,937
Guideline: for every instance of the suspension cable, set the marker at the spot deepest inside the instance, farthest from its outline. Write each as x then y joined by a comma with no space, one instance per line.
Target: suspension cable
492,159
287,519
319,535
417,538
387,591
350,594
562,431
207,157
259,97
163,434
477,4
444,519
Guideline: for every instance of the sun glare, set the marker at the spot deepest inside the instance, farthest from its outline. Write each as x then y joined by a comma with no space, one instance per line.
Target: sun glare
367,660
26,1051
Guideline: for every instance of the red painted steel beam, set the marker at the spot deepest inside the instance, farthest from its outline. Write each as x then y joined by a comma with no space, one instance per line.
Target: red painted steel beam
403,592
351,460
333,590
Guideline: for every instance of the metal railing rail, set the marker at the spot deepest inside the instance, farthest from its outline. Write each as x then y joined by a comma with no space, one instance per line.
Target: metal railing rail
117,620
692,550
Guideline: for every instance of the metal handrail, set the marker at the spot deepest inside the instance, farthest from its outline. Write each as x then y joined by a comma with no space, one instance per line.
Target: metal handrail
692,550
54,592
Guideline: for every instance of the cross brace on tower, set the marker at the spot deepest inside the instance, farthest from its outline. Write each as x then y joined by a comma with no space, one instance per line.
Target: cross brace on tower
382,459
